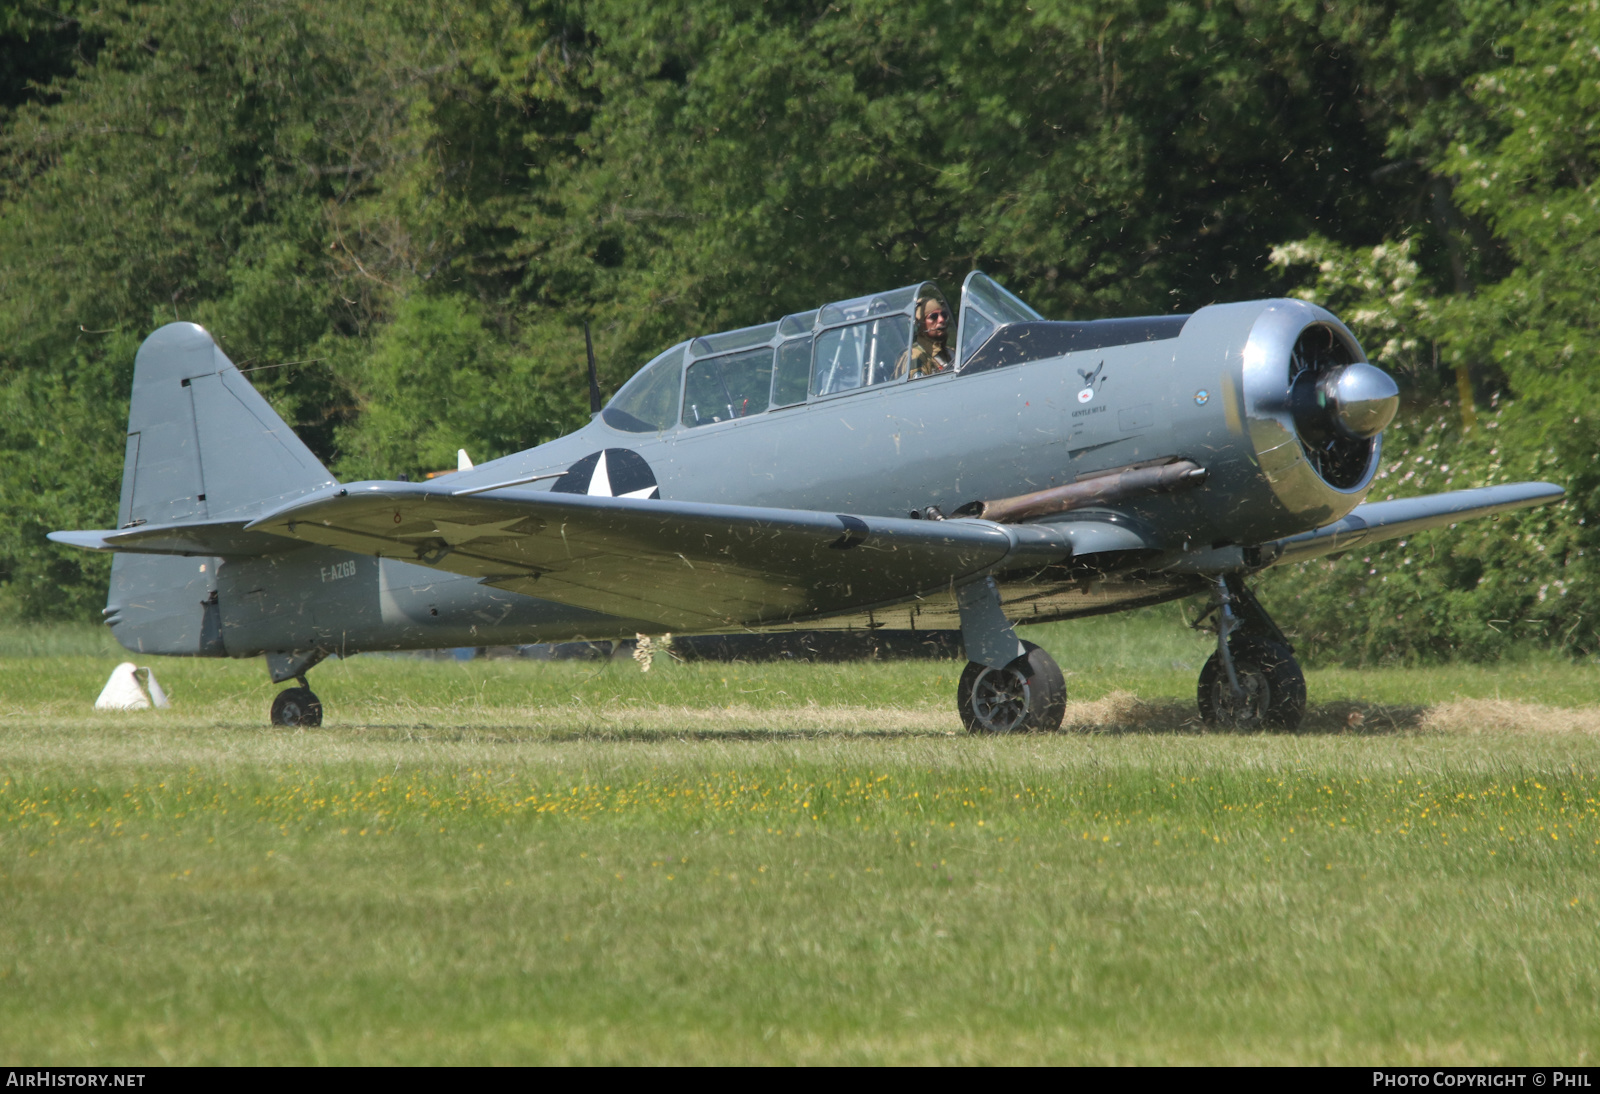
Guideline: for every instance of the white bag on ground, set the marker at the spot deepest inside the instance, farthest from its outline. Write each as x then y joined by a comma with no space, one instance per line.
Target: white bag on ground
157,696
124,692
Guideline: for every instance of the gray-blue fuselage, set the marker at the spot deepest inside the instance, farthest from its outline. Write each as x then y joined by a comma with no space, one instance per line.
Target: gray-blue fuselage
1213,389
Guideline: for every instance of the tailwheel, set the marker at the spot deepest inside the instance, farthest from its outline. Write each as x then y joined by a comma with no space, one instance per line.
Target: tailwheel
297,707
1271,692
1027,696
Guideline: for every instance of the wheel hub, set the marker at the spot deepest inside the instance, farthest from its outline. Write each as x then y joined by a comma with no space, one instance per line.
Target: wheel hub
1248,709
1000,699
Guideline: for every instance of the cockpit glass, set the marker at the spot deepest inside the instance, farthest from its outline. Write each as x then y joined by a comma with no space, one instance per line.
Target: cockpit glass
896,300
792,372
860,355
648,403
720,389
860,343
1004,305
800,323
733,339
986,306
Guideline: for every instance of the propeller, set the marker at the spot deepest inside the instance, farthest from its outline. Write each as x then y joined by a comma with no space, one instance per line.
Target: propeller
1356,400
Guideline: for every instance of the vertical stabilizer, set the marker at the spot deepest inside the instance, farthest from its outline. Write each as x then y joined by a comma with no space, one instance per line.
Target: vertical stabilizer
202,442
202,445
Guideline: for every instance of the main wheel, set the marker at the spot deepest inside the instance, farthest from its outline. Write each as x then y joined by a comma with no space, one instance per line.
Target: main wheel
1027,696
1273,685
297,707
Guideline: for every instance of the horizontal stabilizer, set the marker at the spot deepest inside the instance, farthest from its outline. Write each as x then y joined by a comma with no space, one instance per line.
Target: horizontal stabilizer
1377,521
687,566
225,538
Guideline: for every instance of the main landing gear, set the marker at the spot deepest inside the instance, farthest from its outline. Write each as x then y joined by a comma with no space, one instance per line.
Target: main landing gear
1252,681
297,706
1027,696
1009,686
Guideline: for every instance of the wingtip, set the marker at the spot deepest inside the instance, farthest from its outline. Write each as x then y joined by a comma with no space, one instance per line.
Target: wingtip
1539,493
87,540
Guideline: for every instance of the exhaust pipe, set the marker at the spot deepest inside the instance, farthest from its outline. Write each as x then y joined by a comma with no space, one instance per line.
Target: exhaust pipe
1102,489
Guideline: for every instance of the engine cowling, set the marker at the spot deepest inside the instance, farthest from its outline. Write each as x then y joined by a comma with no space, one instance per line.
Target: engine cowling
1315,409
1288,424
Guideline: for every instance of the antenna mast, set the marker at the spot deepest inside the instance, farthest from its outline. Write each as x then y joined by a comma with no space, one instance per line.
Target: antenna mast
594,378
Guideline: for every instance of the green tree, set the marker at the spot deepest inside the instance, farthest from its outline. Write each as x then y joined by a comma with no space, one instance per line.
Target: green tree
1527,170
438,379
400,215
282,172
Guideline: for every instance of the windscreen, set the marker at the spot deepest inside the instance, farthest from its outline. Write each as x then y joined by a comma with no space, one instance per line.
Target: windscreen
648,403
986,307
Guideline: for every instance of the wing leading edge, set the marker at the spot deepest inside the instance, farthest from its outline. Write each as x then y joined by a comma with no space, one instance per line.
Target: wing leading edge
684,566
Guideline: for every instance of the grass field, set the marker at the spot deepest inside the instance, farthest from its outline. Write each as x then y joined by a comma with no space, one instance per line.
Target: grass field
519,862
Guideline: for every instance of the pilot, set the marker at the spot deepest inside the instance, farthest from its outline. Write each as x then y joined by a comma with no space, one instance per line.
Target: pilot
928,353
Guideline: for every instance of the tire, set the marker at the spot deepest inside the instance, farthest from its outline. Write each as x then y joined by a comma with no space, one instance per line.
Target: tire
1027,696
1274,686
297,707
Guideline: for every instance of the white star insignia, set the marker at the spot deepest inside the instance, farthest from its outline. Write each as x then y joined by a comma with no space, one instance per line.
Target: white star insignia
456,534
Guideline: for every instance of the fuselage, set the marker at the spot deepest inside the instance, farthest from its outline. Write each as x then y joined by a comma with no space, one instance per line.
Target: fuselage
952,438
1089,400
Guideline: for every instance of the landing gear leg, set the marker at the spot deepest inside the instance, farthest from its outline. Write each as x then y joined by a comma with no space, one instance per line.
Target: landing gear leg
297,706
1252,681
1009,686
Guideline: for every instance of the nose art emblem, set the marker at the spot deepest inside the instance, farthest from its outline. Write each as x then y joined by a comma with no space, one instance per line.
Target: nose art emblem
1089,381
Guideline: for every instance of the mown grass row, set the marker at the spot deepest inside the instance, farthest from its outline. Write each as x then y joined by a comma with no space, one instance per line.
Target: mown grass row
914,898
514,862
1550,805
1151,654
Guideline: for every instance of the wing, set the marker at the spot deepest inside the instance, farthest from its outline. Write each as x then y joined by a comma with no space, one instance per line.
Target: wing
685,566
1377,521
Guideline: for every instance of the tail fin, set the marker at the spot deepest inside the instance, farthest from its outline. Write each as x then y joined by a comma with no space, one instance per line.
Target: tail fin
202,445
202,442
